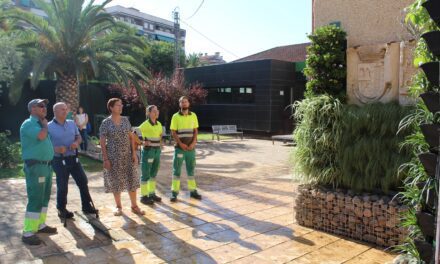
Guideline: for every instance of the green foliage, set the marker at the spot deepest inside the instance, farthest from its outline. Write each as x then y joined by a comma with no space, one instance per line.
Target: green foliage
10,58
9,152
159,57
77,38
193,60
90,165
349,146
316,136
418,22
326,63
369,154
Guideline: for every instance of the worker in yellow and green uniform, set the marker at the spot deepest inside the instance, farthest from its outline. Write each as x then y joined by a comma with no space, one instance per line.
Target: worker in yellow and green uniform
184,128
37,153
151,131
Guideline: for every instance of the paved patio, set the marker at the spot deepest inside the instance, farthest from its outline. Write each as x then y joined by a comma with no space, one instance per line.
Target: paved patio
246,216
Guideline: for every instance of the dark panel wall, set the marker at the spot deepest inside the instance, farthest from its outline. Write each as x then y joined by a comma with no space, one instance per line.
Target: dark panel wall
268,77
93,98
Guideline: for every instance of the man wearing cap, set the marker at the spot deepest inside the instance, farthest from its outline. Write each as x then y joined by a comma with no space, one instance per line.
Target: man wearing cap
184,128
65,138
37,153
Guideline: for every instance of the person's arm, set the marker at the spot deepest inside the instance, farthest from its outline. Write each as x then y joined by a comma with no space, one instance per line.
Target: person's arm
134,157
77,141
195,132
42,135
106,162
85,121
133,144
177,139
173,128
194,141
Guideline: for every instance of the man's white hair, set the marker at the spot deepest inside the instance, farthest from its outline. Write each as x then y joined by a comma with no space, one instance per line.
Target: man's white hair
58,104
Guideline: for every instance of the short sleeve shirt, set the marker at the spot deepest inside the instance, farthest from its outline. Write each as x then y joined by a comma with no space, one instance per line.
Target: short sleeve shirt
31,146
151,132
184,125
63,135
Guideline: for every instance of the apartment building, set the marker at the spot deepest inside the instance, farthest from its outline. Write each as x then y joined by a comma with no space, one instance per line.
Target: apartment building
150,26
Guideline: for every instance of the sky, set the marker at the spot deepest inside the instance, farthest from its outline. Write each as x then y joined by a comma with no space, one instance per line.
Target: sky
235,28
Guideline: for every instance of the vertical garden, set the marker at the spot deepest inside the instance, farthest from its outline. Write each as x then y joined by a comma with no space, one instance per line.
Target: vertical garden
340,145
421,184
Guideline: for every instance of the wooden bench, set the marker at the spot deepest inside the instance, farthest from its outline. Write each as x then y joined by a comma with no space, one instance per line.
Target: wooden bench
283,138
225,130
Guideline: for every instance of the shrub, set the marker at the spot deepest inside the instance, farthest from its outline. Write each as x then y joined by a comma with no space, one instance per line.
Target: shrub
163,92
349,146
315,136
9,152
326,64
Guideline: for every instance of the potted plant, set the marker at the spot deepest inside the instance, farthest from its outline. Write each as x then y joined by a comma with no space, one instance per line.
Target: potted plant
431,133
433,8
431,100
429,162
432,39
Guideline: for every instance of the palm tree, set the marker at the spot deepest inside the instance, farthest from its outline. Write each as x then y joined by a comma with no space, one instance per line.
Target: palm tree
193,60
10,57
74,43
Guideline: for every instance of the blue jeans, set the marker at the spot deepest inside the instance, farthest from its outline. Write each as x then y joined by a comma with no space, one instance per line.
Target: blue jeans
63,171
83,133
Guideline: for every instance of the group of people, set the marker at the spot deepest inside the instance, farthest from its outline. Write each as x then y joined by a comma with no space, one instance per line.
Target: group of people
53,146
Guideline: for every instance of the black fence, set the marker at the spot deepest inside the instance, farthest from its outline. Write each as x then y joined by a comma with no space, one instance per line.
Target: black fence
93,98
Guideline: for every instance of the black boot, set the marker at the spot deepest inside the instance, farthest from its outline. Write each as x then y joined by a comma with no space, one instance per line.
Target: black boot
194,194
90,210
147,200
31,240
173,197
64,213
156,198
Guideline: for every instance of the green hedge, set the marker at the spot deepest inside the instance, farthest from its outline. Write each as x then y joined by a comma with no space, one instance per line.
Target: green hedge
349,146
10,153
326,68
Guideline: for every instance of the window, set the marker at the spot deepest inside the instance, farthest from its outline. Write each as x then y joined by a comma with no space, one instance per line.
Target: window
26,3
231,95
336,23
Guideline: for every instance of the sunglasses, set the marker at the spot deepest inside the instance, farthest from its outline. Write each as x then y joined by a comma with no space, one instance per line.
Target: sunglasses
41,105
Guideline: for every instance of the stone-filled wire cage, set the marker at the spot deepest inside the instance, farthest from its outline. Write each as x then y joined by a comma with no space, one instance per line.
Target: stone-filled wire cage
367,217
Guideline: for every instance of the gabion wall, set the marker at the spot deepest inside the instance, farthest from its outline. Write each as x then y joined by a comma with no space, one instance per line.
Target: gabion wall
367,217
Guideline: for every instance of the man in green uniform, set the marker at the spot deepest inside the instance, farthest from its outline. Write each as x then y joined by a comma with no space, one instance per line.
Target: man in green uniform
151,131
37,153
184,125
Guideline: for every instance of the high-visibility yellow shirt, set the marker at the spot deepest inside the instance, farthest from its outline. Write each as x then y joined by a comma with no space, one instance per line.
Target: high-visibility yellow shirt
184,125
151,132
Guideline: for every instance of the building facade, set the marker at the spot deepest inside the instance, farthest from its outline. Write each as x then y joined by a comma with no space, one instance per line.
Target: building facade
206,59
152,27
149,26
365,21
379,47
28,5
254,95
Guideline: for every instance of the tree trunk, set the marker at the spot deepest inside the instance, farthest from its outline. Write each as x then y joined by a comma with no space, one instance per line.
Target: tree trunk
67,90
